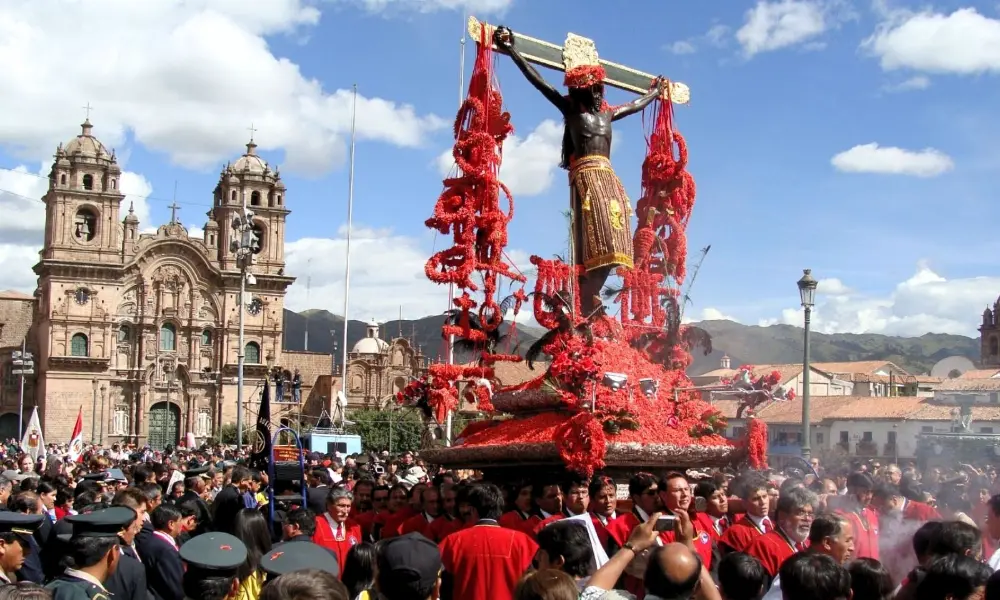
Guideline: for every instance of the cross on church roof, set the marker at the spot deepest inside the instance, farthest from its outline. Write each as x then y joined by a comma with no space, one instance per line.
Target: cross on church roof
173,212
88,108
252,131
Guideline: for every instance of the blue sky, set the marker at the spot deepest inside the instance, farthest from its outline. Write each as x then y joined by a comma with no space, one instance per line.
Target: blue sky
900,233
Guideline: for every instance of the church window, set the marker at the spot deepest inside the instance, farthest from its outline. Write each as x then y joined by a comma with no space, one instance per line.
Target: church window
206,337
114,184
255,198
79,345
62,179
88,182
85,225
279,199
168,337
259,232
994,346
252,353
123,333
232,195
119,420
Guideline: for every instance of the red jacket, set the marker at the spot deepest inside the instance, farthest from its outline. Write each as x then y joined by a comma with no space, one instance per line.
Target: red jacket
865,526
519,521
771,549
741,534
326,537
918,511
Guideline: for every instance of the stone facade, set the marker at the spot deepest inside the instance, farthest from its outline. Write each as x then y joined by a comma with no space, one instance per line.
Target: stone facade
989,354
16,313
141,330
377,369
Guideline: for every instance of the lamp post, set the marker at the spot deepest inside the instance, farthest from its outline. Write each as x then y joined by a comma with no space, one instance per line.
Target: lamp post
171,375
24,364
93,413
807,294
245,244
104,392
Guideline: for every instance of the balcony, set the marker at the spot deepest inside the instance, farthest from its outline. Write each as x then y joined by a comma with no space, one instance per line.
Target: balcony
866,449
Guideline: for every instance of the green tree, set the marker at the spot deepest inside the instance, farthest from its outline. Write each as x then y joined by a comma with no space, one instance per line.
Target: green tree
374,427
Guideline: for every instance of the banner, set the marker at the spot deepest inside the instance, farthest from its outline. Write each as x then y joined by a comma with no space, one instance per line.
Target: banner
76,440
32,443
260,454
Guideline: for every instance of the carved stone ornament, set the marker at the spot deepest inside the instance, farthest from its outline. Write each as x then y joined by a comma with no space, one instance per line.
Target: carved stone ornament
579,51
170,277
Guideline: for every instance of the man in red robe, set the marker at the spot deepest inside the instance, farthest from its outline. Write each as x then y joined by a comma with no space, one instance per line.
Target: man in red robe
520,518
449,521
830,534
890,501
675,494
334,530
367,519
793,519
421,522
856,506
395,522
485,561
754,523
603,506
644,491
576,498
711,509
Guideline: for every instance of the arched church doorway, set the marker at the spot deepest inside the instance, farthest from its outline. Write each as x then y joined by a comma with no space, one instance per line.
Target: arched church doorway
8,427
164,425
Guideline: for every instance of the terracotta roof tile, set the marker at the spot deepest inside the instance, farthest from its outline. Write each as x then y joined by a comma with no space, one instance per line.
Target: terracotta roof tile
858,408
929,379
787,372
790,411
727,407
14,295
979,374
969,385
943,412
860,366
864,408
509,373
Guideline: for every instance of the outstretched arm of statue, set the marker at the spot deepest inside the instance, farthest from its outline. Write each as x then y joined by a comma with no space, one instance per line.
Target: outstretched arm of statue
642,102
503,37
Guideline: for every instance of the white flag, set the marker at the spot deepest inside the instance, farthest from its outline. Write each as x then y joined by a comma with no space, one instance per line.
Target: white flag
33,444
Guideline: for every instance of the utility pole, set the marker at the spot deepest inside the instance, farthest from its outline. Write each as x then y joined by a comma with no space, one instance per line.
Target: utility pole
24,364
245,245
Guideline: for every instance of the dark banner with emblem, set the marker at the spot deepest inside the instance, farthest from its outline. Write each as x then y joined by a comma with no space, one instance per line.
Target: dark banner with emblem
261,454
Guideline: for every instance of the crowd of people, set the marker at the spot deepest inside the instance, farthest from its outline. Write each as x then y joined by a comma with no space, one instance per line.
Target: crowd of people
200,524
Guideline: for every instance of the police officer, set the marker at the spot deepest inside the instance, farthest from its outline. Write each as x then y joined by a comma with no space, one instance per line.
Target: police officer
15,530
290,556
93,554
212,560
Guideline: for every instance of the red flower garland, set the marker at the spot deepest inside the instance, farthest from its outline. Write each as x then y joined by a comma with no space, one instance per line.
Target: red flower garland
757,444
581,443
584,76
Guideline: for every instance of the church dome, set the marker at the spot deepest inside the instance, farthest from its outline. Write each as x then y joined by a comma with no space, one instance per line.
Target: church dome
86,144
250,162
371,343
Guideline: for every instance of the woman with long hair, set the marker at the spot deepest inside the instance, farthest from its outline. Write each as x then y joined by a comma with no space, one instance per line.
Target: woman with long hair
251,528
358,572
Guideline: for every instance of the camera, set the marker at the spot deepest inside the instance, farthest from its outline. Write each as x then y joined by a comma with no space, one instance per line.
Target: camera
666,523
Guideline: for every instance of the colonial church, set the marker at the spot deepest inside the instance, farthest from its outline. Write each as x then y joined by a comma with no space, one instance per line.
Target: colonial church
140,330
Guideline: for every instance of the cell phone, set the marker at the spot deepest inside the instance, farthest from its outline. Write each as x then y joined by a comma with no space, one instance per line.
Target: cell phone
665,523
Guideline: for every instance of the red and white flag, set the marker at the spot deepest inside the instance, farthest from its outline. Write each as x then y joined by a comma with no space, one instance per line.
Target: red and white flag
76,441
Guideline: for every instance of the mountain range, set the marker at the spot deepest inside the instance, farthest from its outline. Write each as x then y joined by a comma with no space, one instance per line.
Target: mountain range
744,344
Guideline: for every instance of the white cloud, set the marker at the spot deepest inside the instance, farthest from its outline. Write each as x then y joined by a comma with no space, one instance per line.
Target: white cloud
717,35
184,77
529,163
890,160
963,42
481,7
682,47
918,82
387,270
774,25
926,302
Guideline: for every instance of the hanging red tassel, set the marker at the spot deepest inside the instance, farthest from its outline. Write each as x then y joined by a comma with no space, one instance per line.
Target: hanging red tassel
757,443
469,207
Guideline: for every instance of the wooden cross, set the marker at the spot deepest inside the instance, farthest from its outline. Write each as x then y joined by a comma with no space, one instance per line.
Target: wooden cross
549,55
173,212
252,131
88,108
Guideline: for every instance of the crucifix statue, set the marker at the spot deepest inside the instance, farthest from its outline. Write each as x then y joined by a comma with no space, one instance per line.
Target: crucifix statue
601,212
173,212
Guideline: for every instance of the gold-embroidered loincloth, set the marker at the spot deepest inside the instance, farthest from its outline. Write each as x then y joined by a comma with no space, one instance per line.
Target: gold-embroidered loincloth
602,212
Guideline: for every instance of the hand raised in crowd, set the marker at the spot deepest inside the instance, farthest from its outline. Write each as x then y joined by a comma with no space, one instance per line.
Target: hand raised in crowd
644,535
684,528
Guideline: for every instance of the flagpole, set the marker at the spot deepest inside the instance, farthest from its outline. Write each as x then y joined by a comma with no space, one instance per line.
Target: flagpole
347,265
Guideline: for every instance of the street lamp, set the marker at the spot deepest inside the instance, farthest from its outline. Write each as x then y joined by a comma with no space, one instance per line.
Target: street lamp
807,294
104,391
23,364
93,413
245,244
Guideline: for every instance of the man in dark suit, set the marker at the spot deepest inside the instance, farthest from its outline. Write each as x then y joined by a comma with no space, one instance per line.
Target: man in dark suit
164,568
128,582
28,503
318,490
194,487
230,500
93,549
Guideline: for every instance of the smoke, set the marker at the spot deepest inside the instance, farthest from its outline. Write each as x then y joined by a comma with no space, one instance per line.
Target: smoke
896,552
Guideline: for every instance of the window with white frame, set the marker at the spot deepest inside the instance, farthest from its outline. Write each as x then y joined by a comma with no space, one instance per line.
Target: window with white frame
119,420
203,426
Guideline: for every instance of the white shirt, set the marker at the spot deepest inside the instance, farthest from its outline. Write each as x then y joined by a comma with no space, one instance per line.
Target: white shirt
994,561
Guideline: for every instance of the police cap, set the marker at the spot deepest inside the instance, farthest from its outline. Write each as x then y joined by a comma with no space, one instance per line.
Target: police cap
105,522
215,551
287,557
